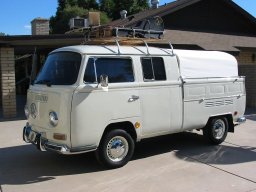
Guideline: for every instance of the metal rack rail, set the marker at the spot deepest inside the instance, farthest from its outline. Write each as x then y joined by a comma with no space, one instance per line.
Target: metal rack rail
127,41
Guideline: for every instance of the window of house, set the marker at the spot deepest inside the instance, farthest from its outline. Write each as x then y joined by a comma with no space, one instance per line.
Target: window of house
118,70
153,68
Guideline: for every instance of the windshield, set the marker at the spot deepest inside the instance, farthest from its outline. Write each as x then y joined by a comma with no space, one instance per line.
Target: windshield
60,69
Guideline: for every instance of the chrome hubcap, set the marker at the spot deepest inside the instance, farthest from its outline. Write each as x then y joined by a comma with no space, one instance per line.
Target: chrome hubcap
117,148
219,129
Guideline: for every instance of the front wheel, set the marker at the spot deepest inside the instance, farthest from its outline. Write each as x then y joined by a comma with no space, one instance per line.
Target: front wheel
216,130
116,149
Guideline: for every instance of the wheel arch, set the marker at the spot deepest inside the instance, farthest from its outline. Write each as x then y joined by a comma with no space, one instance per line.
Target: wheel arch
229,117
125,125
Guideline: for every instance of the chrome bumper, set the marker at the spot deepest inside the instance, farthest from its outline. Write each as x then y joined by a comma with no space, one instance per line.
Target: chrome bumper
30,136
240,120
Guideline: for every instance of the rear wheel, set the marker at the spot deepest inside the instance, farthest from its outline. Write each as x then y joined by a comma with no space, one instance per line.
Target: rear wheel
216,130
116,149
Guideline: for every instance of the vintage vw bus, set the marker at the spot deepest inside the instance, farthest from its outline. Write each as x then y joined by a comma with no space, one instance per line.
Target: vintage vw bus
106,98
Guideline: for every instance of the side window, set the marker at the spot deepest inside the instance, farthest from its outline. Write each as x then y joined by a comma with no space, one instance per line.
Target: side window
118,70
153,68
89,75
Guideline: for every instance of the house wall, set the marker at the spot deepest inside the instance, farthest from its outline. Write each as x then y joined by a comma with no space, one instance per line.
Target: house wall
247,68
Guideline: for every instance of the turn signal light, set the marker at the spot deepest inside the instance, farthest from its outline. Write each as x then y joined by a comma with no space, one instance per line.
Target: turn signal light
137,125
59,136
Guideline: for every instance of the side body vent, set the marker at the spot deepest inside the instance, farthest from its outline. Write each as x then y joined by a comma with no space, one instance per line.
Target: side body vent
218,103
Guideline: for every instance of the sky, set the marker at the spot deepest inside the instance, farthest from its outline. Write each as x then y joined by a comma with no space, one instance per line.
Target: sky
16,15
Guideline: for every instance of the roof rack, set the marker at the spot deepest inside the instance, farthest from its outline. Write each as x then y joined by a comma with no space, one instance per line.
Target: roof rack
126,41
170,43
116,40
139,33
118,46
152,27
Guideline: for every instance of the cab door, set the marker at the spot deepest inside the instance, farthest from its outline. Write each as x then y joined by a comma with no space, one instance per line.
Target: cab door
94,107
155,95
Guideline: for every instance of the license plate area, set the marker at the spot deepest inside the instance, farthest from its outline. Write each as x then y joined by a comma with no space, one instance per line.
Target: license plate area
32,136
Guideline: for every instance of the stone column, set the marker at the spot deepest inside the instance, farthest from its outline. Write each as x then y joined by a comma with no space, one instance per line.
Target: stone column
0,87
7,63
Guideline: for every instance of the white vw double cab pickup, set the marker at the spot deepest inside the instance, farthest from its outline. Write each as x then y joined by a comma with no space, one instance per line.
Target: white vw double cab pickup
107,98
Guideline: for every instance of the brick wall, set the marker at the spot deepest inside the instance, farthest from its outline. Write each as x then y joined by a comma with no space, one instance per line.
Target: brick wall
7,63
247,67
0,85
246,57
250,83
40,26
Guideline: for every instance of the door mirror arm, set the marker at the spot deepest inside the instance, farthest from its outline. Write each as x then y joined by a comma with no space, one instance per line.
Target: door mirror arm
104,81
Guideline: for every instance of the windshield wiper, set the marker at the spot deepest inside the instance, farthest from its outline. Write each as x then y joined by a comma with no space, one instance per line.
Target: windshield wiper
44,81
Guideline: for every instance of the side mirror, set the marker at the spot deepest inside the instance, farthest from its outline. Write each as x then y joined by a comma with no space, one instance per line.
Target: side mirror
104,81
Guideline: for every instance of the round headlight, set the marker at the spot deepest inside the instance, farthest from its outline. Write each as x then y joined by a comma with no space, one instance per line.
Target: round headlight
33,110
26,110
53,117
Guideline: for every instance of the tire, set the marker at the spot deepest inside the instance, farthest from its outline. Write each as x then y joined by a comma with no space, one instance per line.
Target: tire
116,149
216,130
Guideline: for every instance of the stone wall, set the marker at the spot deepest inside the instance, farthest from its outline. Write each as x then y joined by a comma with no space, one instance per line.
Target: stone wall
7,64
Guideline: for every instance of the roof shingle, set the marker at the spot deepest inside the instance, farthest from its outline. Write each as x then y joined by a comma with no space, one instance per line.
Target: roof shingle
208,41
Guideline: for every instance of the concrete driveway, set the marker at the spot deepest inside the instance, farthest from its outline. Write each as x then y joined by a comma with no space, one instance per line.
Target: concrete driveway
180,162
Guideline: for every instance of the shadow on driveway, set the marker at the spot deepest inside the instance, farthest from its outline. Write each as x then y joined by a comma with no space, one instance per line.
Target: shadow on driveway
21,165
195,146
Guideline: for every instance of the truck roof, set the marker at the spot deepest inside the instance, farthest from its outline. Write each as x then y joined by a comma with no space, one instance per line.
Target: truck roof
192,63
107,49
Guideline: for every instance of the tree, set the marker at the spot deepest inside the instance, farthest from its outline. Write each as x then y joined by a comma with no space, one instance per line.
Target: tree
104,19
113,7
107,6
61,5
142,5
109,9
2,34
68,9
88,4
60,23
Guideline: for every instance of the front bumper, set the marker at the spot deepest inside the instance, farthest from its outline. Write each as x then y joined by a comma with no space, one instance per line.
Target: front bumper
43,144
30,136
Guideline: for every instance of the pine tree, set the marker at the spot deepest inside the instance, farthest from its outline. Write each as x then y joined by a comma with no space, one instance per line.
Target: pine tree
107,6
88,4
61,5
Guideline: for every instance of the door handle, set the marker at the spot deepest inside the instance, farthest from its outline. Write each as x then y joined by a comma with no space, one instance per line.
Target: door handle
133,98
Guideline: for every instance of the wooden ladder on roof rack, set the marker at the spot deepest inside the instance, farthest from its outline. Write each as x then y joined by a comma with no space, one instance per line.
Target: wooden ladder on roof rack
125,41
